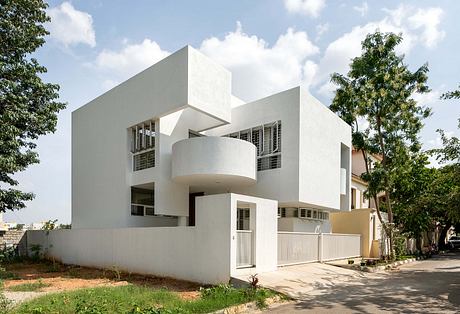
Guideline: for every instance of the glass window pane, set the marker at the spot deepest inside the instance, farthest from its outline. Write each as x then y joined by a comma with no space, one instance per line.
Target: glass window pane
137,210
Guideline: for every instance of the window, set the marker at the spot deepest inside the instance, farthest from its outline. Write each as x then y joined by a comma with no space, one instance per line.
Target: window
315,214
303,213
267,139
309,213
143,145
243,219
142,202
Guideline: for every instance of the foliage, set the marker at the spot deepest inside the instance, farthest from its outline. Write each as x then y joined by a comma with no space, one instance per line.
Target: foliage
28,105
36,250
400,246
4,274
137,299
379,91
413,214
9,255
254,281
452,95
5,303
29,286
65,226
49,225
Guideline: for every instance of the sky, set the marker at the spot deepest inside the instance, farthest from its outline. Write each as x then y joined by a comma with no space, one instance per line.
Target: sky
268,45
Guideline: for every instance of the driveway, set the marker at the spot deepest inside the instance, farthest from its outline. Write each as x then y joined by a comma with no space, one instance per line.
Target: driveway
430,286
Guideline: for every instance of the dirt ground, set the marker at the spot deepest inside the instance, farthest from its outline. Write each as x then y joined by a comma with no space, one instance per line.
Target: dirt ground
58,277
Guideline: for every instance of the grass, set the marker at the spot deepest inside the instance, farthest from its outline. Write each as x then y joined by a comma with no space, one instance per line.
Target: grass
138,299
30,286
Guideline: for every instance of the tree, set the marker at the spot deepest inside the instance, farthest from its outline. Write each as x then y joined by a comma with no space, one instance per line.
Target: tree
452,95
28,105
411,195
378,90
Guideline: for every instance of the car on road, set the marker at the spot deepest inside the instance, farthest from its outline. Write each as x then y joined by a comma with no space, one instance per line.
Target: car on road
454,242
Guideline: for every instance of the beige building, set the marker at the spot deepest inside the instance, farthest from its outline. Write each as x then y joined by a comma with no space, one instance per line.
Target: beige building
363,218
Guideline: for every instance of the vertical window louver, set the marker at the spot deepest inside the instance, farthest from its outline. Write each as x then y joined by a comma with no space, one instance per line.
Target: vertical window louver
143,145
267,139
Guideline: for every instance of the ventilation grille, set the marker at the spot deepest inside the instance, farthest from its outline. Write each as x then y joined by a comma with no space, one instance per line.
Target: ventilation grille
144,160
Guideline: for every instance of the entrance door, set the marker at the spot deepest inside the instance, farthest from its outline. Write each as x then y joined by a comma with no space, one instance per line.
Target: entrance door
191,207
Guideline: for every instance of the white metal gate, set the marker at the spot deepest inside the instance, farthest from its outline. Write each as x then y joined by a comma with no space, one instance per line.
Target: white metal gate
304,247
244,247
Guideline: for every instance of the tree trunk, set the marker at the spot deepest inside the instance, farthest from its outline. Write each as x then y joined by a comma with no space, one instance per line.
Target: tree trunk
442,237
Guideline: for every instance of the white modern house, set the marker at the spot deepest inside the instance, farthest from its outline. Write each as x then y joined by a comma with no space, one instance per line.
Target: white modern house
197,184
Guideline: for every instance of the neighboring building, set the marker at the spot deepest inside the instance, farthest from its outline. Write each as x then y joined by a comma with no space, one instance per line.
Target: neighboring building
363,218
144,150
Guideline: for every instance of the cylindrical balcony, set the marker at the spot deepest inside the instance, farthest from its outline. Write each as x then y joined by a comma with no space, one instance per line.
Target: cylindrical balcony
207,161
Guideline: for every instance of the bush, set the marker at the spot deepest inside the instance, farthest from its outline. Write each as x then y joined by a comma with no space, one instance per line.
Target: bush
400,246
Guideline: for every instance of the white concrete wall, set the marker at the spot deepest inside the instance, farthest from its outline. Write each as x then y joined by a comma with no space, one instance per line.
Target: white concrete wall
279,184
205,160
101,161
322,133
205,253
311,141
264,228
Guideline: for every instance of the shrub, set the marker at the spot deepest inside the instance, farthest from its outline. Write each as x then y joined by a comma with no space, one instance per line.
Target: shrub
29,286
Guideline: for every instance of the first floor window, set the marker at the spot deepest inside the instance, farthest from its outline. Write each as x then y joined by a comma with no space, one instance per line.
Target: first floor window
143,145
267,139
142,202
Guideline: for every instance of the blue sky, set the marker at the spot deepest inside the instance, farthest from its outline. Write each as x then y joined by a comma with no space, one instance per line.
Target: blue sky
268,45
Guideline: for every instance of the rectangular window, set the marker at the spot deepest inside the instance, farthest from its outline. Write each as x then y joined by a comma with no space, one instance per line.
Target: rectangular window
243,215
309,213
142,202
315,214
267,139
143,145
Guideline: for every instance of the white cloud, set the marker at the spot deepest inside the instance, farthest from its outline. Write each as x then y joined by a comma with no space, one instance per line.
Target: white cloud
427,99
306,7
260,70
131,59
429,21
321,29
339,53
363,9
70,26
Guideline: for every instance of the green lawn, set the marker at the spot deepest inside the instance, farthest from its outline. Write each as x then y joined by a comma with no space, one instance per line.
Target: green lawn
137,299
30,286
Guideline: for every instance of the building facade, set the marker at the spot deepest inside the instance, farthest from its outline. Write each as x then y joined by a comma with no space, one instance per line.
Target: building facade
145,150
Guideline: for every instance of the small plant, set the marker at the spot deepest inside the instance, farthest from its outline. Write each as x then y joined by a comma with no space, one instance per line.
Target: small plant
254,281
36,250
4,274
363,262
30,286
351,262
5,303
116,272
53,267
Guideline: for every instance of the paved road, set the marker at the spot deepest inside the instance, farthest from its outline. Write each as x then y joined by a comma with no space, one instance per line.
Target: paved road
430,286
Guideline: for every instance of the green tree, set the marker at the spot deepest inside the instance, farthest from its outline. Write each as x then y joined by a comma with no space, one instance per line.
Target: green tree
451,95
412,190
378,90
28,105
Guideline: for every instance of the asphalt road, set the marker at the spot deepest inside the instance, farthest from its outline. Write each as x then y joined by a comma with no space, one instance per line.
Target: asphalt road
429,286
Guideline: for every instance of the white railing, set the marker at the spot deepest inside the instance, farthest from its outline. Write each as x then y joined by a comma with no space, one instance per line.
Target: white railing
338,246
244,248
304,247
